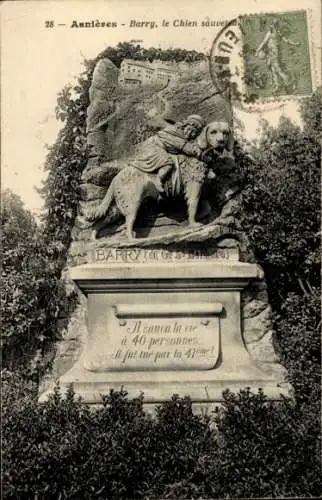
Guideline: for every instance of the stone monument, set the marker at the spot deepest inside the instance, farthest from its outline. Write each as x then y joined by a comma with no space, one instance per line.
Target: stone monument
174,299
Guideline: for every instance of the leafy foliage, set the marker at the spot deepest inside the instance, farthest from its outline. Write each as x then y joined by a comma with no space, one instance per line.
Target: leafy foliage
31,294
250,448
298,335
281,203
259,444
126,50
312,115
65,162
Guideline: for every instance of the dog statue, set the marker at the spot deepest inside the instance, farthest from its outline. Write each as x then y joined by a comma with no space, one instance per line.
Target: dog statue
131,186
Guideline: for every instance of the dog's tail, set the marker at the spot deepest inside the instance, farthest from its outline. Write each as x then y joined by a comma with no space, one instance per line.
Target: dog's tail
105,204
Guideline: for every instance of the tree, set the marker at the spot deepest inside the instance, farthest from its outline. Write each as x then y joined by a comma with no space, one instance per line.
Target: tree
282,204
281,215
31,295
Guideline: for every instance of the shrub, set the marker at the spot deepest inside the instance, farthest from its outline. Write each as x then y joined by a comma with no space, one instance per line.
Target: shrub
260,443
180,442
42,445
299,339
252,447
254,452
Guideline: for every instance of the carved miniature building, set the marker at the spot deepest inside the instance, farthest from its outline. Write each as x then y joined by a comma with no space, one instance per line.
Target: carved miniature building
145,72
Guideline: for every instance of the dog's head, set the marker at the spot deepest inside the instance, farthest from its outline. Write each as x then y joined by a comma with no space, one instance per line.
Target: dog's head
217,136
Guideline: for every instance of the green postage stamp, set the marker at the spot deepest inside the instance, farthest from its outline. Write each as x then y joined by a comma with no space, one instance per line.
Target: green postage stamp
264,57
276,54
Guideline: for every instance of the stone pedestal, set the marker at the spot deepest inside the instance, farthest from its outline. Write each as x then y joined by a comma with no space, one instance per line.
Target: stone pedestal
164,329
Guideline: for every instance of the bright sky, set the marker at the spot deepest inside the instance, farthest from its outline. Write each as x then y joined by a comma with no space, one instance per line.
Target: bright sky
37,62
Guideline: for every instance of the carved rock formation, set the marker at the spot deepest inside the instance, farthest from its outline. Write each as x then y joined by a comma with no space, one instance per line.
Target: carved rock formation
116,122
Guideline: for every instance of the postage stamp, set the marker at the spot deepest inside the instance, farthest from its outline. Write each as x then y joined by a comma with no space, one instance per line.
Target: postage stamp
263,57
276,54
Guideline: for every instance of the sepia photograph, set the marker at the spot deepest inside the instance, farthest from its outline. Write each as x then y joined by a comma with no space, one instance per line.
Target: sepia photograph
160,221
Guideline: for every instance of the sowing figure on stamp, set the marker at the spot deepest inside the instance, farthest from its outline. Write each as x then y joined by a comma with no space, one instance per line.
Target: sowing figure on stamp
133,184
269,48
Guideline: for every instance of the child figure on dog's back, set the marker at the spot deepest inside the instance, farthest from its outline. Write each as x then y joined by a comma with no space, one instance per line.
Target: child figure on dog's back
155,155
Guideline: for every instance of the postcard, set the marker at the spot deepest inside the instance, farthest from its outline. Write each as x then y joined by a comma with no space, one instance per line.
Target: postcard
160,168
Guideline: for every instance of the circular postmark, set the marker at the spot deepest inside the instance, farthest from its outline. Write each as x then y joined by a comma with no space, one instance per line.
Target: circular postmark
225,49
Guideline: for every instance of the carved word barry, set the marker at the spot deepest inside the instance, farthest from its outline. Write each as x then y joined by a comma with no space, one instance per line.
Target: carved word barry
145,255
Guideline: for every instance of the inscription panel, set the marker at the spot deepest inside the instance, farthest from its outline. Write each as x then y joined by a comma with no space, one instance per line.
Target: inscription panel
176,343
159,256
